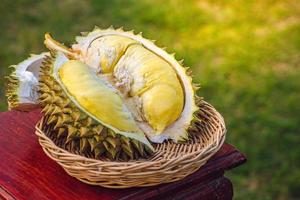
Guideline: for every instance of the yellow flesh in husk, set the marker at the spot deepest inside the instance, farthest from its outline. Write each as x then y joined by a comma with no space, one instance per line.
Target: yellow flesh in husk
156,83
112,48
153,79
95,96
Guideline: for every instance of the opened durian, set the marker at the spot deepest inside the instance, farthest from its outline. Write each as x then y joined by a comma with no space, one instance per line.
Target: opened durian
114,94
22,83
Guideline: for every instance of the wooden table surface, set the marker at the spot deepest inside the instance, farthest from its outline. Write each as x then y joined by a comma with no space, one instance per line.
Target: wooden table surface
27,173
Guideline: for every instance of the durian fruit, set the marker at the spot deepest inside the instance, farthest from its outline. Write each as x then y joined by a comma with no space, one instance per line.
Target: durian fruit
155,88
86,113
22,83
114,92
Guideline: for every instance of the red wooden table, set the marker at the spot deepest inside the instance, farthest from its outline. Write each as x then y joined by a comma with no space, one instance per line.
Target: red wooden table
27,173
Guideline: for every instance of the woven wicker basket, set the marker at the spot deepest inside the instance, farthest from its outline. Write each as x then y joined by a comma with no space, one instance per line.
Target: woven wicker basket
171,162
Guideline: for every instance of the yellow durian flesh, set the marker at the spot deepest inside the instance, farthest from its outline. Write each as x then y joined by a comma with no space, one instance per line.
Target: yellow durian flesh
98,99
112,48
155,82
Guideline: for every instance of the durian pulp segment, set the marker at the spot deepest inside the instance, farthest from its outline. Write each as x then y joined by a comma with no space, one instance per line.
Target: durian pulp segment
22,86
112,48
97,99
155,82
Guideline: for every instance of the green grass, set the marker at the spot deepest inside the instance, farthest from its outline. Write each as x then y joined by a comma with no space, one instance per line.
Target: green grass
245,54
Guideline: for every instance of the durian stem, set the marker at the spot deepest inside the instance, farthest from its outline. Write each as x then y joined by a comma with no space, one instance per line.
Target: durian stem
52,44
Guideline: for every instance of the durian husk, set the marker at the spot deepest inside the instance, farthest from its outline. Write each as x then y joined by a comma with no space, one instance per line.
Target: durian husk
75,131
11,90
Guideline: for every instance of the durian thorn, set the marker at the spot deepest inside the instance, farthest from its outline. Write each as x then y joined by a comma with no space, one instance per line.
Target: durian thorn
127,150
71,132
60,132
121,28
54,45
111,141
52,119
99,151
83,131
139,147
13,66
83,143
84,33
59,123
93,143
96,28
98,138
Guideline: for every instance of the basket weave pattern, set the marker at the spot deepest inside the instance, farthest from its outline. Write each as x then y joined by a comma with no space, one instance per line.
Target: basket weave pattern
171,162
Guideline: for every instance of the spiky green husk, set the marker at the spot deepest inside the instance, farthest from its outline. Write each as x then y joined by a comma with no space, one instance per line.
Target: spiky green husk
12,90
79,131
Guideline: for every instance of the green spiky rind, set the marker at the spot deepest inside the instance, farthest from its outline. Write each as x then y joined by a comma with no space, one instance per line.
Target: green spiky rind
79,131
12,86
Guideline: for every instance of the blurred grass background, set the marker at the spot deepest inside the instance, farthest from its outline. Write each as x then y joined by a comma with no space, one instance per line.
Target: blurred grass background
245,54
